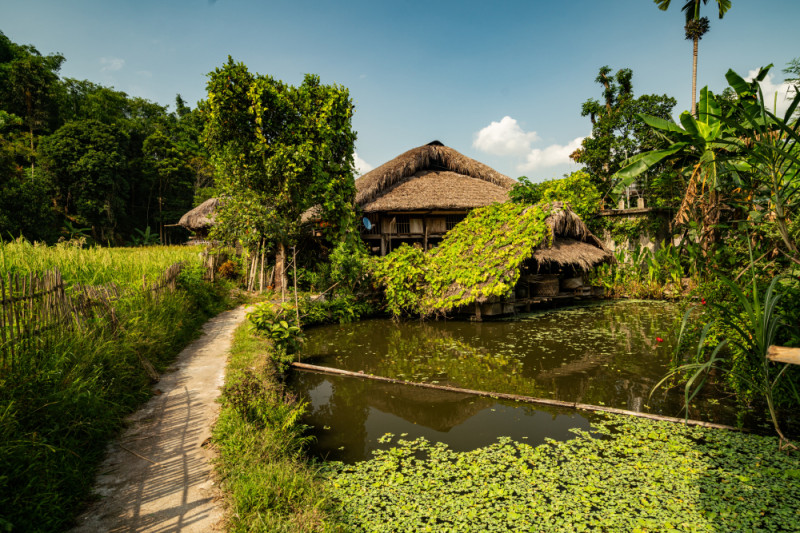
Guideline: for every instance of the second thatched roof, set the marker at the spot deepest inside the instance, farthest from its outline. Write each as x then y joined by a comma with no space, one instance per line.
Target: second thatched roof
432,176
201,217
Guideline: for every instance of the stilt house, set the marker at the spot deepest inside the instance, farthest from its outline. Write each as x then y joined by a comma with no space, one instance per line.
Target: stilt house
420,195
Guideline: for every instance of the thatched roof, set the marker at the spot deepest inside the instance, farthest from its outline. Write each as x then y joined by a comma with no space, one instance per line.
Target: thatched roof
428,177
201,217
573,243
564,252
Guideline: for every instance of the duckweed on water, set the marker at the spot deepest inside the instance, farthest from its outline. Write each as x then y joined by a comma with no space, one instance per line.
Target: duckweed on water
626,475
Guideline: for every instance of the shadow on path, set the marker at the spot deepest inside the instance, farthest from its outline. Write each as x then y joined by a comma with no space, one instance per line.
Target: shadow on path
157,476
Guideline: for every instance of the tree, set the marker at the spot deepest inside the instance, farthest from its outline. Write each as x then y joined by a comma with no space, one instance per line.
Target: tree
86,161
171,175
695,28
27,84
617,130
576,189
279,150
699,145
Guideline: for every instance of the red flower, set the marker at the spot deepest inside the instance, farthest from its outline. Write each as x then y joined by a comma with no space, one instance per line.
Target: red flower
703,301
659,339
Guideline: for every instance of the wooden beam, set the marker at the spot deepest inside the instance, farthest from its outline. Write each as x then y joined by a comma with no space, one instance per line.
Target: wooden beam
507,396
784,354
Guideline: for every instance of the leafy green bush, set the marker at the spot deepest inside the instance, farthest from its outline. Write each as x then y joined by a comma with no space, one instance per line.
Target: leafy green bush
576,189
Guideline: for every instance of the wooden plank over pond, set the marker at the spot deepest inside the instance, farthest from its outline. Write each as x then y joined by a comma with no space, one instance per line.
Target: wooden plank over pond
784,354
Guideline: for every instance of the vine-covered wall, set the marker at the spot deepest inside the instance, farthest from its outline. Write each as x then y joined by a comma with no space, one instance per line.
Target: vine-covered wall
480,258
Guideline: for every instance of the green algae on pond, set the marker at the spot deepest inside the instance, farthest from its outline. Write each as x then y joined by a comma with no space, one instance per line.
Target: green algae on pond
639,475
607,354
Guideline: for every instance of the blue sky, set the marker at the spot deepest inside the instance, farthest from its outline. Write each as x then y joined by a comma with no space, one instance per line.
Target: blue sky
502,82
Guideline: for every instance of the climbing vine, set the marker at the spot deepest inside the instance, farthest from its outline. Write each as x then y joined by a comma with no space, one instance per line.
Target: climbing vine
479,259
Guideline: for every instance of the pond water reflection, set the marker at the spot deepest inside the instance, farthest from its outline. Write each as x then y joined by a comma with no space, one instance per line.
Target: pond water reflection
603,354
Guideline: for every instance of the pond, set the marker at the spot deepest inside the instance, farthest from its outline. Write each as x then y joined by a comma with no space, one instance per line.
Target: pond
608,353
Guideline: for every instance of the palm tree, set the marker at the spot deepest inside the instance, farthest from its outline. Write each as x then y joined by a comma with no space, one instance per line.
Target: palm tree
696,26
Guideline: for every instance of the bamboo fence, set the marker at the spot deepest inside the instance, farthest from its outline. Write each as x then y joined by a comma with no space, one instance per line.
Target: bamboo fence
36,308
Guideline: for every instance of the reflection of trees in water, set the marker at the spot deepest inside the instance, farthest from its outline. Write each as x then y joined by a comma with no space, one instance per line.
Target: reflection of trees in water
429,354
602,354
345,408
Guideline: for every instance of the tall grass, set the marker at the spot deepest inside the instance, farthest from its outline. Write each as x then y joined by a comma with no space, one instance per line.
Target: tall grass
93,265
65,400
268,484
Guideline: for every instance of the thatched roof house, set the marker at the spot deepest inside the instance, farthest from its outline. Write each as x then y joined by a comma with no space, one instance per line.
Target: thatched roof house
201,218
421,194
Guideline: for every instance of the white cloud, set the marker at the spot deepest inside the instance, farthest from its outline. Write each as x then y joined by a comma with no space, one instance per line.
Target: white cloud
362,167
784,92
553,155
504,138
111,64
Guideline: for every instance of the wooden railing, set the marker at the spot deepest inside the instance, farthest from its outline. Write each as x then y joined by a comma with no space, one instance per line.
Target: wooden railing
36,308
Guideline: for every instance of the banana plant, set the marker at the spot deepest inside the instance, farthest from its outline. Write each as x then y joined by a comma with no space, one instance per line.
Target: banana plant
770,145
701,141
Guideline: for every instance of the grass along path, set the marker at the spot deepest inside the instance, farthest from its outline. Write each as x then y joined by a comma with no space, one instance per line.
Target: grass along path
267,482
157,476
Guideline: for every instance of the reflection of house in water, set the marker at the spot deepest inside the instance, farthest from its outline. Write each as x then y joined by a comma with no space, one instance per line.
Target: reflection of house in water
434,409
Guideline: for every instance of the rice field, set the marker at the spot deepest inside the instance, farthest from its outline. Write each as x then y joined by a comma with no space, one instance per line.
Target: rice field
66,394
94,265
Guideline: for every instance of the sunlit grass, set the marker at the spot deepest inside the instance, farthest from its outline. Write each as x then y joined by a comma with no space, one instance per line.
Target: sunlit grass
94,265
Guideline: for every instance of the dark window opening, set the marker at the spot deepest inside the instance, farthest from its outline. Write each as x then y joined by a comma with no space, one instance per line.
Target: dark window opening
403,224
452,220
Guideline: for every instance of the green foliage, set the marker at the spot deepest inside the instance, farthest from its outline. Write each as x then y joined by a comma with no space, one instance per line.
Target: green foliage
576,189
278,151
144,238
279,324
402,274
750,326
618,132
267,485
626,474
61,404
477,260
642,273
72,150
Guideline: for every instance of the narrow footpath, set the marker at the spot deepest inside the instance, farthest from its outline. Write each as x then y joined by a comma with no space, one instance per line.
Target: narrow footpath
157,477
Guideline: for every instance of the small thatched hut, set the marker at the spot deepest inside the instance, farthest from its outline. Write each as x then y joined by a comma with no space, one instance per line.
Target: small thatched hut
502,257
200,219
420,195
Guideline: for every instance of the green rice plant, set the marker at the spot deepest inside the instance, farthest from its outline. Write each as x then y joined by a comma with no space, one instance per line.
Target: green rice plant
94,265
68,397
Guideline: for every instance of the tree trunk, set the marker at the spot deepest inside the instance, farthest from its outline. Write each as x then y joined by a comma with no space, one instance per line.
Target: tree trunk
280,268
694,79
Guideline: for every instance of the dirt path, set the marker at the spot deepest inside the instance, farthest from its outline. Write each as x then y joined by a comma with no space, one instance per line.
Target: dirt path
157,476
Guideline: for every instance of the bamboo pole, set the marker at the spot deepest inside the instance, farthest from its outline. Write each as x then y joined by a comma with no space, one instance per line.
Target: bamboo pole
514,397
3,319
261,276
294,265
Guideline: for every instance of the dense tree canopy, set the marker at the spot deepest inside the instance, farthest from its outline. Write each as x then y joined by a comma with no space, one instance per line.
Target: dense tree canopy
278,151
73,152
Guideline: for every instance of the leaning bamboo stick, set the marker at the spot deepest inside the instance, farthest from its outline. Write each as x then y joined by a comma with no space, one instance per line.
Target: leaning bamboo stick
514,397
